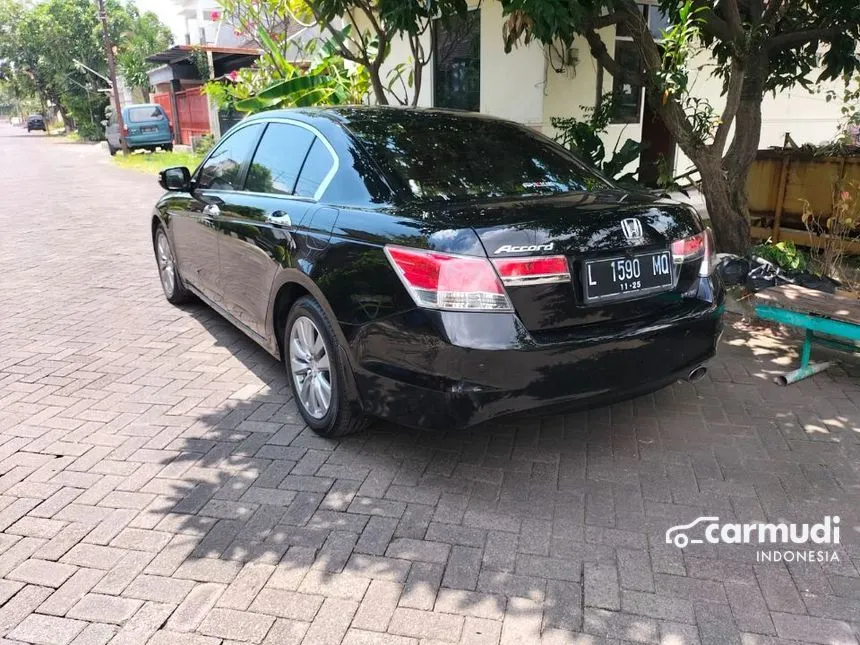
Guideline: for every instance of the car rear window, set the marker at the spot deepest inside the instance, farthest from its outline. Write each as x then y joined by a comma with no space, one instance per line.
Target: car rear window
148,113
445,156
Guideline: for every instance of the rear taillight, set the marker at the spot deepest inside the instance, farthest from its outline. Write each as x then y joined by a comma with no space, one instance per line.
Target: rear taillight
700,245
531,271
124,128
446,281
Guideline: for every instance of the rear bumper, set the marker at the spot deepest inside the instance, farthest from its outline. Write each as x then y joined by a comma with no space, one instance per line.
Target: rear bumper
154,139
451,370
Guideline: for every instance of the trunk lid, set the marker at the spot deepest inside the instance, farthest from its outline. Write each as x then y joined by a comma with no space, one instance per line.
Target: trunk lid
584,227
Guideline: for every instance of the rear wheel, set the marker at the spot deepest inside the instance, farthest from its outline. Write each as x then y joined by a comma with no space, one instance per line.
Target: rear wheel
168,147
317,375
171,281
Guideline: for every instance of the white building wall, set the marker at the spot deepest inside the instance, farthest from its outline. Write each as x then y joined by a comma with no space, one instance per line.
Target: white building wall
521,86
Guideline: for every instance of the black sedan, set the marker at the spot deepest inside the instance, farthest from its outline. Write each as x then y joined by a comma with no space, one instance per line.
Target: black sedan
436,268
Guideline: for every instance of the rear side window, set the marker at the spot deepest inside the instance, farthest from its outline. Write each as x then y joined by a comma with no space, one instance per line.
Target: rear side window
279,158
223,169
444,156
148,113
317,167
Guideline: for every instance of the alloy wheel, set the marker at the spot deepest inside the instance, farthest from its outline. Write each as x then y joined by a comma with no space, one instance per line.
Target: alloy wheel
310,367
166,266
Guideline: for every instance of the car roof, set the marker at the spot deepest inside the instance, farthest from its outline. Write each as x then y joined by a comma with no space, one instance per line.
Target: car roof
346,114
140,105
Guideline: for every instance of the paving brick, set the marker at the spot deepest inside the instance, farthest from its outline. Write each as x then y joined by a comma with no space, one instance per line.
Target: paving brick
208,570
361,637
145,622
601,586
377,606
21,605
347,585
246,585
102,608
287,604
331,622
167,637
418,550
67,596
522,623
47,630
470,603
42,572
194,608
286,632
158,588
426,625
812,630
463,568
237,625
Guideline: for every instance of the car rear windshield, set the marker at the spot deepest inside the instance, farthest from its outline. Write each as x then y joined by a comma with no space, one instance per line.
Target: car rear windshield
148,113
445,156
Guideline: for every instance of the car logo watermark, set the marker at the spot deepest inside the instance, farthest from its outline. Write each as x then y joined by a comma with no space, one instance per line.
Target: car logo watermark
712,531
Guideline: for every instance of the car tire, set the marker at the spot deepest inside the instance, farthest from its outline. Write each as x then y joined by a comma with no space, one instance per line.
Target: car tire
168,272
168,147
310,345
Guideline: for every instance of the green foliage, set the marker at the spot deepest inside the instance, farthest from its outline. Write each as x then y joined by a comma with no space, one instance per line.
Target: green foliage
783,254
583,137
145,35
204,144
41,42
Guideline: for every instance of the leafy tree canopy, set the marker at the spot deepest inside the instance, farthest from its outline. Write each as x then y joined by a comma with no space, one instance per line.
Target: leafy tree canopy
758,46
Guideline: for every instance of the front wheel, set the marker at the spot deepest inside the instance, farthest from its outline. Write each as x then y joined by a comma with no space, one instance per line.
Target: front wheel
317,375
171,281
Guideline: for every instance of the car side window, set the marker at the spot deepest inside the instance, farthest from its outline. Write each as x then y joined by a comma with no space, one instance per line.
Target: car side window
278,159
223,169
317,166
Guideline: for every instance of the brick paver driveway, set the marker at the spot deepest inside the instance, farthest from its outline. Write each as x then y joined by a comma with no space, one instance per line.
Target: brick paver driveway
157,485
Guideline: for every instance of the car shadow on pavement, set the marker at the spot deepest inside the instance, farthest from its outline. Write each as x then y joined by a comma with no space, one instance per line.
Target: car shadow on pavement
249,483
511,522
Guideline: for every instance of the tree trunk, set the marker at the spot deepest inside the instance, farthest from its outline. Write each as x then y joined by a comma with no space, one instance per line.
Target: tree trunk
378,87
727,207
144,90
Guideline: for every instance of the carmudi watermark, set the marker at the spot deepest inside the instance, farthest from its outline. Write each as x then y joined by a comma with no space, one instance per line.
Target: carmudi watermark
780,542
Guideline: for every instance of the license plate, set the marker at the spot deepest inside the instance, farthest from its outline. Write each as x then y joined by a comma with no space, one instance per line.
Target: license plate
149,129
627,276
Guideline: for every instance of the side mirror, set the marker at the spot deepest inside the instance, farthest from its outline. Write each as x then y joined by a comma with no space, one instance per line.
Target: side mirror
178,178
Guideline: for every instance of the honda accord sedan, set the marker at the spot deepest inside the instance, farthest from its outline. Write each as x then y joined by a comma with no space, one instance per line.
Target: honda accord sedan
436,268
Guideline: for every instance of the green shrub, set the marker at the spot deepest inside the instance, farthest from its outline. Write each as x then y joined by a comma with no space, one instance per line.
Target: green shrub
783,254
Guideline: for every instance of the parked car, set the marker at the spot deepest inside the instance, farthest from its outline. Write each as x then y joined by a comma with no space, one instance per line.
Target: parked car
36,122
146,126
436,268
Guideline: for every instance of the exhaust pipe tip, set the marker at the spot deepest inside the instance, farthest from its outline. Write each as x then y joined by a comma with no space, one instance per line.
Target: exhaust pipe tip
697,374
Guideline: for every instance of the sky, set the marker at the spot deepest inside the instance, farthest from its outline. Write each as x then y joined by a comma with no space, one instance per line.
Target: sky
166,11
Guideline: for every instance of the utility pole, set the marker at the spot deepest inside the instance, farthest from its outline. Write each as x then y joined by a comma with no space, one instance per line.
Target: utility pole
112,73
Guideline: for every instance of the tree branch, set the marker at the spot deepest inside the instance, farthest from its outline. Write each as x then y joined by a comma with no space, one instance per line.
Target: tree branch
796,38
733,99
733,17
601,55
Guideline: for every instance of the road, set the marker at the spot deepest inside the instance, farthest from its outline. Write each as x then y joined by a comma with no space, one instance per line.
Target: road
156,484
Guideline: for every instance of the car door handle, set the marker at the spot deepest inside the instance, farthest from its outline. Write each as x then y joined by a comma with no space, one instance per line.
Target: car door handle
211,210
280,219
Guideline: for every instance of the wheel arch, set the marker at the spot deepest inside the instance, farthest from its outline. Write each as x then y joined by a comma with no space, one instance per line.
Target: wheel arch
289,286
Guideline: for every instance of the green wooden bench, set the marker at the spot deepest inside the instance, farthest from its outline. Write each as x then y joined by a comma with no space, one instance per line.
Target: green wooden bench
829,320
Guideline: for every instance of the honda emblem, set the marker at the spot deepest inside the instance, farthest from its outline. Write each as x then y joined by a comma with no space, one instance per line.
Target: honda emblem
632,229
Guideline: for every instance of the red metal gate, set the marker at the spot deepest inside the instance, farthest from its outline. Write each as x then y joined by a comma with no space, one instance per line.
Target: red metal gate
193,112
